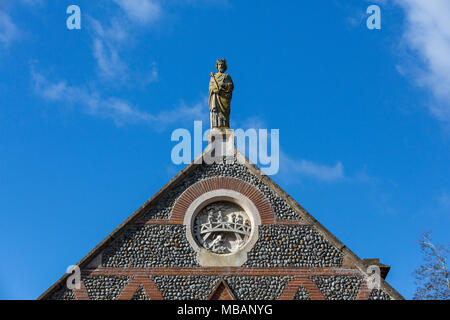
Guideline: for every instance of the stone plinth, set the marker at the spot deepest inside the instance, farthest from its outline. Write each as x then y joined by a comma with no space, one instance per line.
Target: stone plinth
221,146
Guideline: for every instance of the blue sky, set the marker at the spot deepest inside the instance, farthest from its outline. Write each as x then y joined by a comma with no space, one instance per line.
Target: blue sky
86,118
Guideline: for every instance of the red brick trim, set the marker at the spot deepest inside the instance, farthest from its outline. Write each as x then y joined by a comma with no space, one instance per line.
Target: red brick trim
290,290
149,287
82,293
301,278
364,291
203,186
153,221
221,292
292,287
292,222
311,288
221,271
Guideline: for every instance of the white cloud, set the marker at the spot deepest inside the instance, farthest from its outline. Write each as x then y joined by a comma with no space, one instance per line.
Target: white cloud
108,60
427,33
8,30
109,42
106,43
304,168
295,170
198,111
91,102
141,11
120,111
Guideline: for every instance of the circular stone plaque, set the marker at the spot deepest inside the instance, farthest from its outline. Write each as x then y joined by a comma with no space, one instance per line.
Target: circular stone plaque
222,227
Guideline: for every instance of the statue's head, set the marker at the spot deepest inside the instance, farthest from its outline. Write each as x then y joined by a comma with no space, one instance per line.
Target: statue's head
221,65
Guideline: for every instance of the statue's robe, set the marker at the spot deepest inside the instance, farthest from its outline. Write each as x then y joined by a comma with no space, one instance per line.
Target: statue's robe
219,102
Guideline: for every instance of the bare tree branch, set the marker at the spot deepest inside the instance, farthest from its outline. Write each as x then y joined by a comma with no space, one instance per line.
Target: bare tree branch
432,277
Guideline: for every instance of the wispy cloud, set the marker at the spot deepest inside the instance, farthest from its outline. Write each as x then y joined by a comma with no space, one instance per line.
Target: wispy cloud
107,43
253,122
304,168
141,11
8,29
91,102
122,112
292,169
427,34
184,113
111,38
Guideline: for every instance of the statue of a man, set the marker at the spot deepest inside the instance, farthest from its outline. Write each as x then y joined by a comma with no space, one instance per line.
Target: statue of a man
220,93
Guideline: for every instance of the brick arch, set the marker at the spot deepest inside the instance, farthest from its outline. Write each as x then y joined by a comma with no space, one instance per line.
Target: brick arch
203,186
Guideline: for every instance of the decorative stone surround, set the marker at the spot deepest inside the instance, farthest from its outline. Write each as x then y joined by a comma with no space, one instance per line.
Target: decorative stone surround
204,256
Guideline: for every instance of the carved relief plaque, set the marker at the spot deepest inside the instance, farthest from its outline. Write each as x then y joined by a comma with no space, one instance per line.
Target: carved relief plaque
222,227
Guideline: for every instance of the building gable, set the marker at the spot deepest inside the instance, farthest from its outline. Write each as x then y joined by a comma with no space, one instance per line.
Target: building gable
293,256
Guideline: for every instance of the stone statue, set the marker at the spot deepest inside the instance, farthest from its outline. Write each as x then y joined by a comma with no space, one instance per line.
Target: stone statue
220,93
219,217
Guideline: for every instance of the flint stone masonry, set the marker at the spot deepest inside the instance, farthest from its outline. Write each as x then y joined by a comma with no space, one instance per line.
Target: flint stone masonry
377,294
338,287
292,246
145,246
163,208
63,294
302,294
104,287
258,288
200,287
140,294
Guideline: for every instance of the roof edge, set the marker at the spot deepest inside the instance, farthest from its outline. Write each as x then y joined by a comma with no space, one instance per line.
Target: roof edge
121,228
347,253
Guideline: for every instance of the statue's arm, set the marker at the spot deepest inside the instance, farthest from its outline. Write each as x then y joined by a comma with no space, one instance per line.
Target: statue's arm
228,85
212,86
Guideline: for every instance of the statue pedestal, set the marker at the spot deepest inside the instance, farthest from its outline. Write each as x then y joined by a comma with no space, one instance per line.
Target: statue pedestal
221,134
221,146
